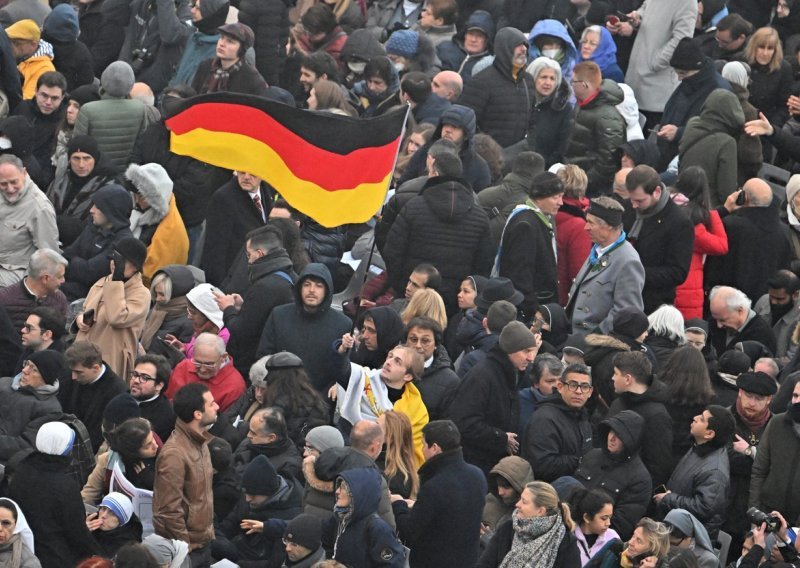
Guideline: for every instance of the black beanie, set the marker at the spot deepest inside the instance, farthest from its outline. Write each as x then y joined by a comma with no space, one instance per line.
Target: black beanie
260,478
133,250
545,184
687,56
221,454
630,322
85,144
50,364
119,409
305,530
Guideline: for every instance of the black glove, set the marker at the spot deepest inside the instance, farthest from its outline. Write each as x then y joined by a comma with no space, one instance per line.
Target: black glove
119,267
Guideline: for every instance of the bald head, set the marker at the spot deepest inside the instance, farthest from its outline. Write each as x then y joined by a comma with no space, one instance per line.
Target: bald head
143,93
619,183
367,436
448,85
759,193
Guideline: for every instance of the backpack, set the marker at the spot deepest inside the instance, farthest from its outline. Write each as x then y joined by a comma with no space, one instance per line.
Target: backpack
83,459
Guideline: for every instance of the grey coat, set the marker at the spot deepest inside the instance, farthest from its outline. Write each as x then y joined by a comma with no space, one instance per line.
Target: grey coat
700,484
598,294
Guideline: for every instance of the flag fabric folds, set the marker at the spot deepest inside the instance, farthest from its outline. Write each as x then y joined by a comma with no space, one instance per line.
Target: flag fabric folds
335,169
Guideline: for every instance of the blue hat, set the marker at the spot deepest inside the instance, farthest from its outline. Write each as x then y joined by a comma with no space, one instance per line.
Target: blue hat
404,43
120,505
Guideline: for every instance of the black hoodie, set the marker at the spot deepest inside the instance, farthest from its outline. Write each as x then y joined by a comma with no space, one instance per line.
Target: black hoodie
389,328
309,335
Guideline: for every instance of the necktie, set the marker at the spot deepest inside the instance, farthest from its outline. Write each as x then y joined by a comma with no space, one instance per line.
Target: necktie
257,201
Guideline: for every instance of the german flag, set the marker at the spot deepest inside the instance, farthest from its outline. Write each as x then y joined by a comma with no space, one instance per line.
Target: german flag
335,169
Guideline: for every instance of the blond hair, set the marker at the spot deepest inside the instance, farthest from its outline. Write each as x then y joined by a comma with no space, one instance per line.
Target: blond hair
428,303
764,37
544,495
574,180
399,456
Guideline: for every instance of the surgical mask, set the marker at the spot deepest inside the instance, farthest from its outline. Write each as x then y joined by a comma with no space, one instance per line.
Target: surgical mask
551,53
5,143
399,66
357,67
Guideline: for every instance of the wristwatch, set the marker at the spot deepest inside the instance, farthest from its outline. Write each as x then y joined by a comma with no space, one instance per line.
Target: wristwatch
749,451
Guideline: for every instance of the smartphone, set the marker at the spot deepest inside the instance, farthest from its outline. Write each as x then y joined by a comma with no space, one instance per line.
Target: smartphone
88,317
660,489
623,17
791,533
741,199
613,20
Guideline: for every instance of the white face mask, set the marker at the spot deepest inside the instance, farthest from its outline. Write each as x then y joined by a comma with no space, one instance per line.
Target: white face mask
357,67
5,143
551,53
399,66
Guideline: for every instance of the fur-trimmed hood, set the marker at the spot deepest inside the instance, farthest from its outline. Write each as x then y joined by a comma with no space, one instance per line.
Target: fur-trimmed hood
154,184
597,340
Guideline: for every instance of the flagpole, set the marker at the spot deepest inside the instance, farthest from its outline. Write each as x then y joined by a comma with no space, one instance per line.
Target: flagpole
372,248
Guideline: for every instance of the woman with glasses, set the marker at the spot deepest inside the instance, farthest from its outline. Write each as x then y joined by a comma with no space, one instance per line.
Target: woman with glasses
133,448
687,533
647,548
16,538
204,316
539,534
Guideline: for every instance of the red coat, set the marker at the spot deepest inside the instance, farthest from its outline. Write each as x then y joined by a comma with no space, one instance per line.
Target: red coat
226,386
689,296
572,242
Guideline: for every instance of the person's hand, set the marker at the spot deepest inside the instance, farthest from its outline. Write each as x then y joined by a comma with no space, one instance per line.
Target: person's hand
117,270
333,392
393,497
367,303
625,29
759,535
793,104
740,445
310,459
82,326
251,527
138,467
649,562
93,522
537,338
759,126
238,301
730,201
659,496
782,529
512,445
224,300
668,132
174,342
348,341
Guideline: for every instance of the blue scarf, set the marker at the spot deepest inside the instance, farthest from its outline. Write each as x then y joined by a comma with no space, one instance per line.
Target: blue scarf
593,256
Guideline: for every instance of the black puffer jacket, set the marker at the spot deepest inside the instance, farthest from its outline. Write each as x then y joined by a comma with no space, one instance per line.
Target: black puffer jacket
485,408
193,181
269,20
438,384
267,289
323,245
623,475
502,102
550,124
446,213
102,32
556,438
597,132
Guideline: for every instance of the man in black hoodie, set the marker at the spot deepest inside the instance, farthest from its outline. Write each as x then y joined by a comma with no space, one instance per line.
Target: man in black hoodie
308,327
381,331
271,282
88,255
502,95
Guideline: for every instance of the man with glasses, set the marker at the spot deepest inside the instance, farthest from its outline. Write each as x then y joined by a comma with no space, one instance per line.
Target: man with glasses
26,397
42,330
93,384
211,365
486,406
559,434
730,36
637,390
150,376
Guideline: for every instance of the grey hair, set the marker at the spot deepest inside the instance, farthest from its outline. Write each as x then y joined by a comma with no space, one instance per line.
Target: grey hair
546,361
594,29
667,321
774,369
734,299
258,370
609,203
212,340
45,261
13,160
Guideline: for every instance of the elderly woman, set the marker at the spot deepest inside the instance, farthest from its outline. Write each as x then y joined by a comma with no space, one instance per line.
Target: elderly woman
598,45
114,524
168,314
551,118
666,332
539,533
205,317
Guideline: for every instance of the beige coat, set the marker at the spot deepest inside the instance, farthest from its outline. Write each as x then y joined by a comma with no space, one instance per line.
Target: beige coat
120,312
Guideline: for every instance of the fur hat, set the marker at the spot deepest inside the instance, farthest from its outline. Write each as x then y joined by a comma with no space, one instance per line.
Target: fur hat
202,298
133,250
50,364
757,382
687,56
119,504
117,80
55,439
260,477
515,337
25,30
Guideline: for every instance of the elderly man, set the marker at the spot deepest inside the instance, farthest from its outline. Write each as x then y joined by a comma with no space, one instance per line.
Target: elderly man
212,366
39,288
758,242
268,435
28,219
734,321
611,278
448,85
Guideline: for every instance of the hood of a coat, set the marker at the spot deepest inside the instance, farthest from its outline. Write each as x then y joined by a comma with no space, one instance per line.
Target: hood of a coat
505,42
721,113
606,53
643,152
320,271
461,117
362,45
365,491
388,325
628,426
61,24
557,29
154,184
448,198
182,279
515,470
19,131
560,327
115,203
482,20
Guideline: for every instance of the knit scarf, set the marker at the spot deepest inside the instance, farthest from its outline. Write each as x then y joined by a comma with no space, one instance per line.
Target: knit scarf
536,542
16,551
652,212
173,309
218,79
753,425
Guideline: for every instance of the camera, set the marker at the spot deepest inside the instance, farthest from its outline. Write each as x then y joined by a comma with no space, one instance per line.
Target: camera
757,517
141,58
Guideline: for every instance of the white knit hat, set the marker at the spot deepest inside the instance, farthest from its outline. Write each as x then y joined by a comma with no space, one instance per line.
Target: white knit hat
120,505
202,298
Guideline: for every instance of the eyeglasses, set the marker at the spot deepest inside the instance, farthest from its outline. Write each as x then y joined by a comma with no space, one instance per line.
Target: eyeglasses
575,386
141,377
288,542
310,448
32,368
206,364
412,340
676,541
29,327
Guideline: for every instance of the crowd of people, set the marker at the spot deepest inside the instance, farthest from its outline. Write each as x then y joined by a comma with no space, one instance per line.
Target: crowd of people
568,339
